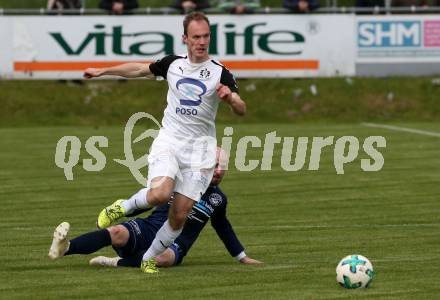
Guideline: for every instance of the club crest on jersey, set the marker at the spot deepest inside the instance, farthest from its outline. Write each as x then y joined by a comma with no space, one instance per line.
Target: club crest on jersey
215,199
204,73
192,90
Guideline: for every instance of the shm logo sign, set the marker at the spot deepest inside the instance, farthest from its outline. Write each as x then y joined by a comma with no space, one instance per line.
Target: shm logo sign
148,43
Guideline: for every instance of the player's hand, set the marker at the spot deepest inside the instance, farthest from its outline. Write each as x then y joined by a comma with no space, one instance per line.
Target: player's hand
250,261
224,92
92,72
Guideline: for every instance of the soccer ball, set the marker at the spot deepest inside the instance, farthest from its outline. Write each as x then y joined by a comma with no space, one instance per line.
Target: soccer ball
354,271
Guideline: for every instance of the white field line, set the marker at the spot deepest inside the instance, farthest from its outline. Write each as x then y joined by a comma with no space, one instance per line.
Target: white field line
398,128
417,225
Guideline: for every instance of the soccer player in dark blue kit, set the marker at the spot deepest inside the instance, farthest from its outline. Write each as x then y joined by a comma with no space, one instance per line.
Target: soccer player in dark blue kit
130,239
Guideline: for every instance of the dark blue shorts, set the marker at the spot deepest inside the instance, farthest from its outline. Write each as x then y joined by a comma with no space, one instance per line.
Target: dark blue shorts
141,236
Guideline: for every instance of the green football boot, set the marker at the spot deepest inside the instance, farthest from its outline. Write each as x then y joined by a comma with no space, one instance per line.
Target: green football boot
109,215
149,266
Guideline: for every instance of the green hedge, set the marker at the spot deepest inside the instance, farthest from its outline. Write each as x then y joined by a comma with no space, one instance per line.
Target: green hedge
98,102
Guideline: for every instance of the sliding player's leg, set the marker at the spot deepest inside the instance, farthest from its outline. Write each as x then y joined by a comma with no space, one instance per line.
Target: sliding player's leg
131,247
87,243
169,258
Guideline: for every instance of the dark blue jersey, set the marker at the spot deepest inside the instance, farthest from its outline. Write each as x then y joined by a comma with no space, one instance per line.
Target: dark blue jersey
212,206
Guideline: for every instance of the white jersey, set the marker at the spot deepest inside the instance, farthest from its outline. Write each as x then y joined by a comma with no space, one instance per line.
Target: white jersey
192,99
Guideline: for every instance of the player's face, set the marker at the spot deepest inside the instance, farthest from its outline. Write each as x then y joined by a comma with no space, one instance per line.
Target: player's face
197,41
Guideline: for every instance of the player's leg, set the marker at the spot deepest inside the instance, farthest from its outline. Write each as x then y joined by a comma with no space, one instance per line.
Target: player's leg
124,242
160,191
179,210
167,259
119,235
170,257
137,201
86,243
133,261
188,189
162,170
131,240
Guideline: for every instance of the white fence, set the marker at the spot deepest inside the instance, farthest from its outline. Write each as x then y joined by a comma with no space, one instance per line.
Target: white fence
251,46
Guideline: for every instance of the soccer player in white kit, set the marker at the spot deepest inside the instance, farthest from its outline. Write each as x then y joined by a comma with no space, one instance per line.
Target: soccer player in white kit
182,157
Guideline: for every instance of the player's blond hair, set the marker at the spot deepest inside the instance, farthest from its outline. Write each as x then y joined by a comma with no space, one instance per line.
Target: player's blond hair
194,16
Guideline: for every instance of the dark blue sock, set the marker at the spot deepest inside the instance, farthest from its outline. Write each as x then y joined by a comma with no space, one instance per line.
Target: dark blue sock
89,242
132,261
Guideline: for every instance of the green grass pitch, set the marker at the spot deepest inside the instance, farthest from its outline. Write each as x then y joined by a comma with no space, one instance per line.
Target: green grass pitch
299,223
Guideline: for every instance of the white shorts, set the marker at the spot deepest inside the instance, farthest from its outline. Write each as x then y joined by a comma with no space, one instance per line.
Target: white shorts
190,163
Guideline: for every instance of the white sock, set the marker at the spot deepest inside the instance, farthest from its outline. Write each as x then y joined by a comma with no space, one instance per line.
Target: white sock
164,238
137,201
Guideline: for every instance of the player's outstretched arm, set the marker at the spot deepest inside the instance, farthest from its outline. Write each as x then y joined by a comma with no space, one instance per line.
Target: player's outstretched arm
234,100
226,233
128,70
